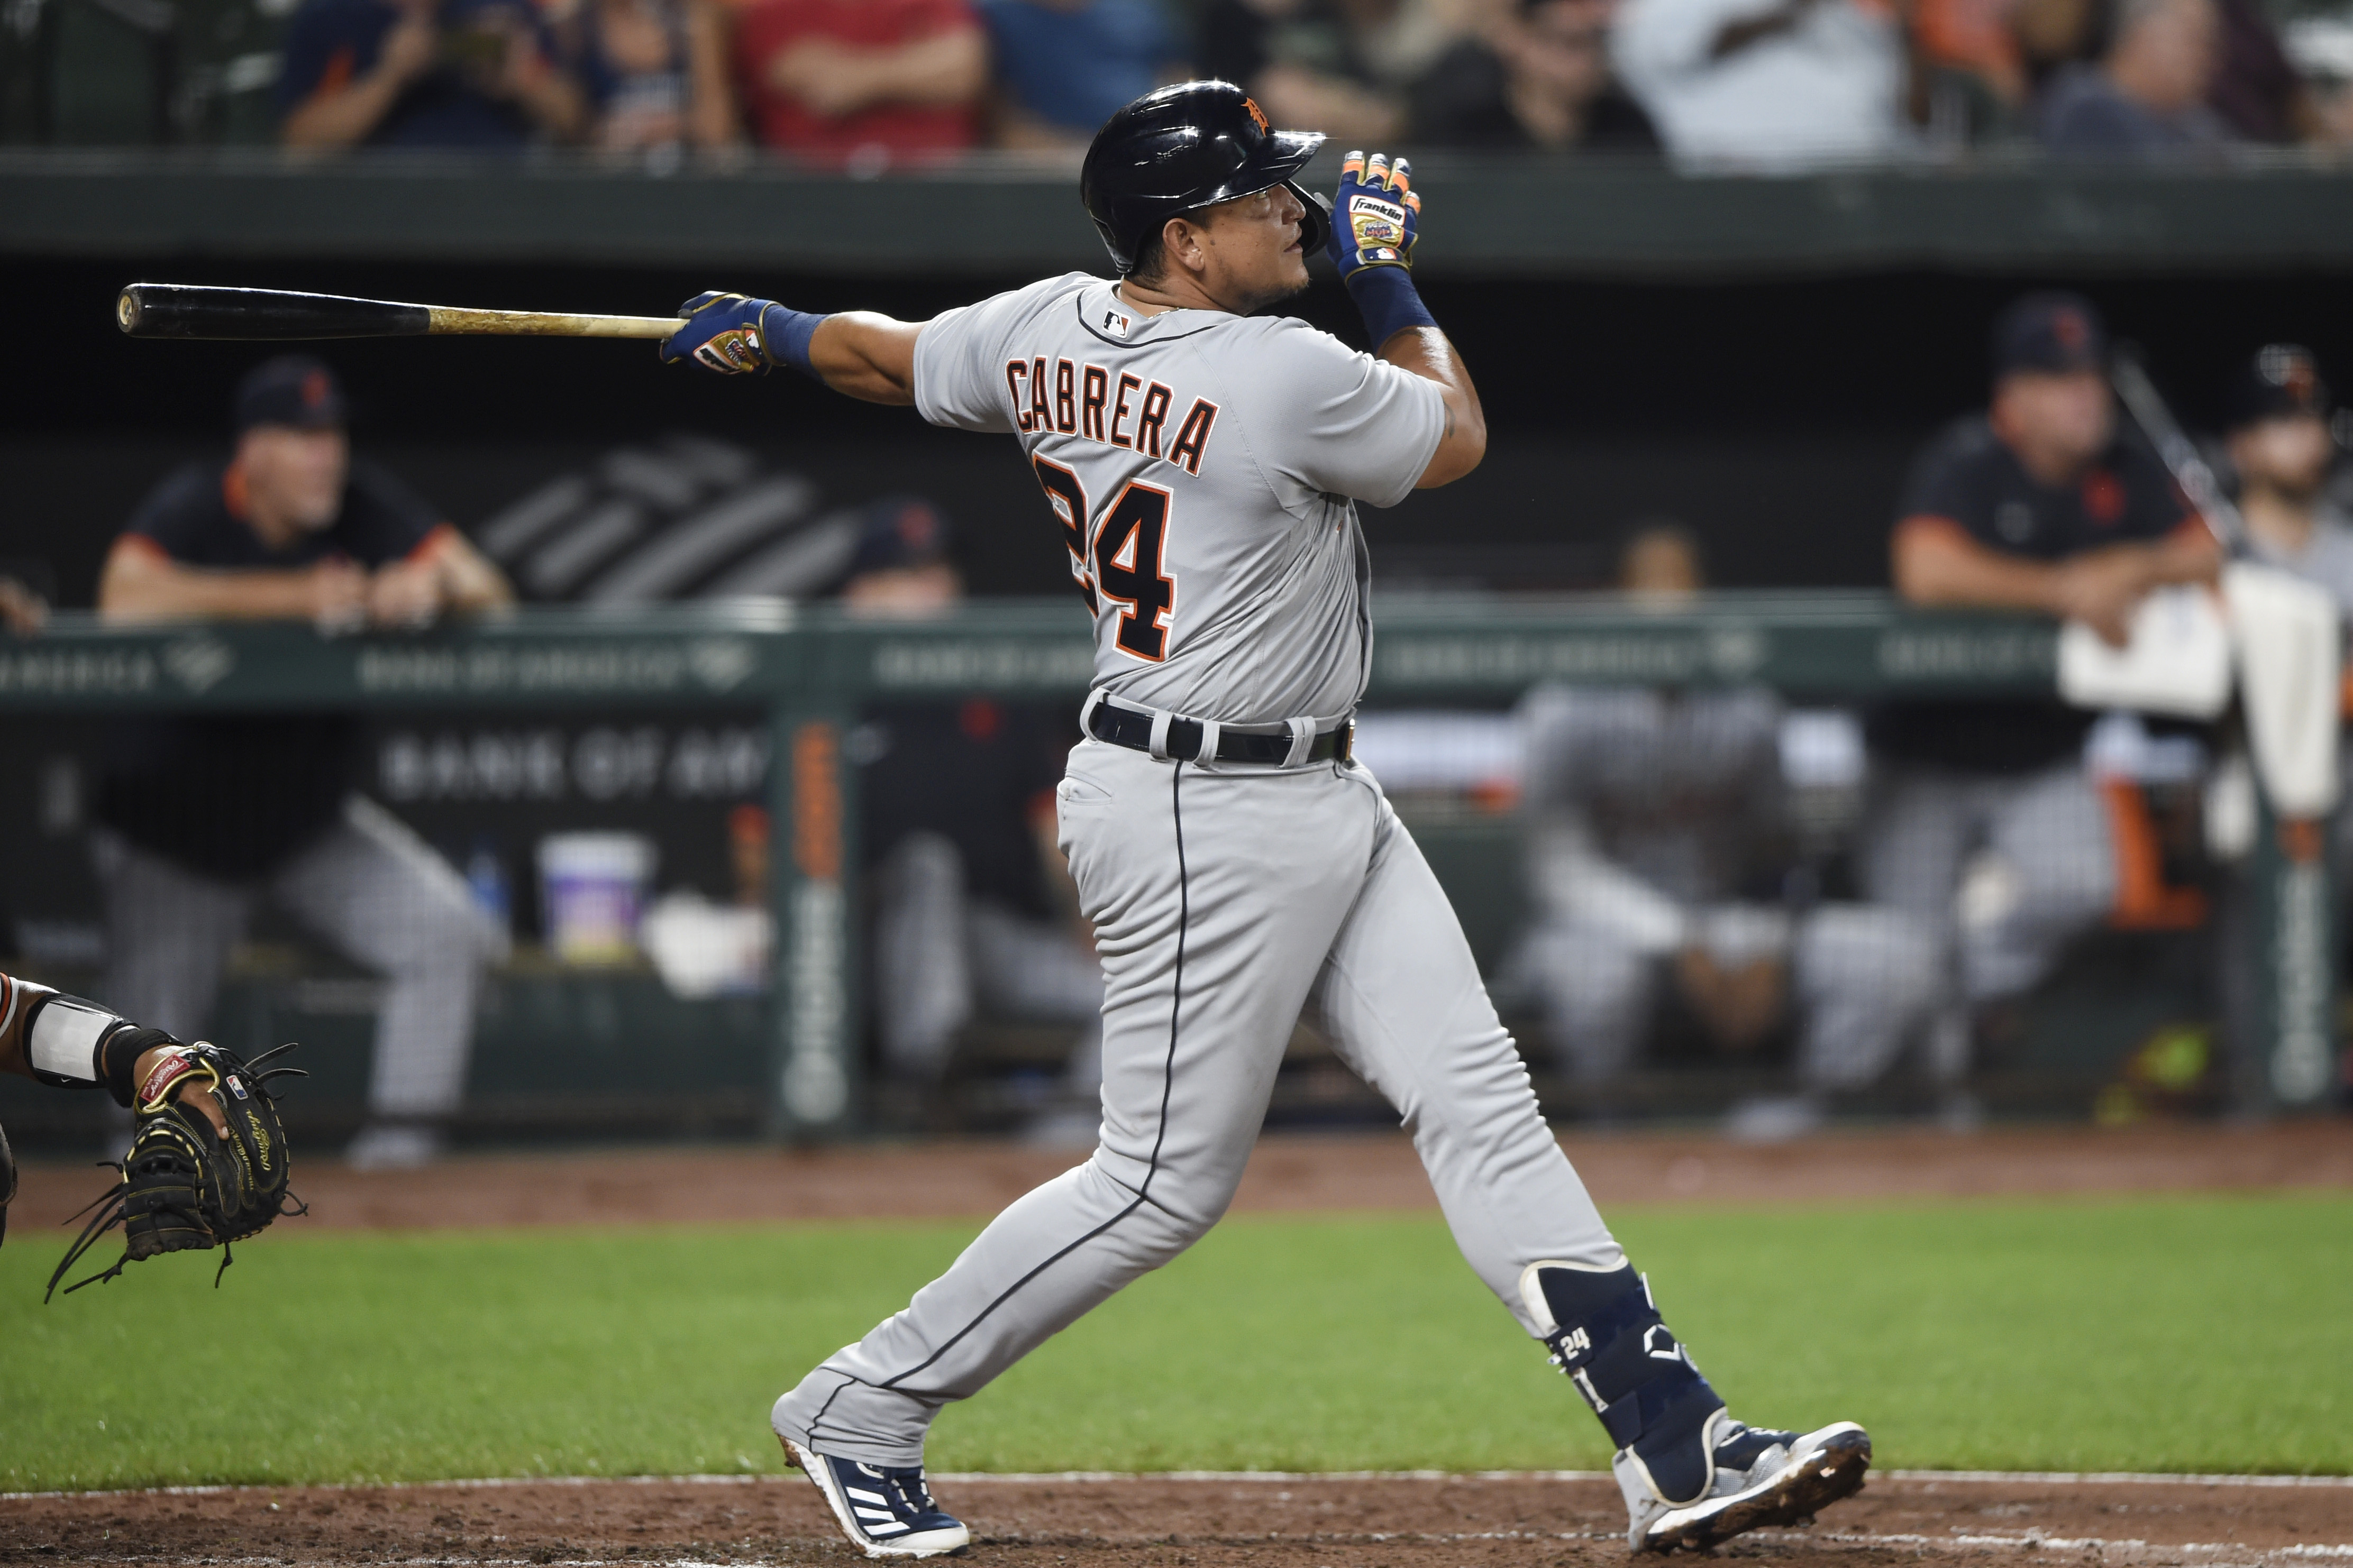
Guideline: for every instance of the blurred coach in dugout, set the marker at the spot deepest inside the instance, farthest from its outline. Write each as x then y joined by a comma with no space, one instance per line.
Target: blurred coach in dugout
2040,504
199,817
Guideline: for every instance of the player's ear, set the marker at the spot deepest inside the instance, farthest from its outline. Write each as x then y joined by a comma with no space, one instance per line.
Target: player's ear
1180,242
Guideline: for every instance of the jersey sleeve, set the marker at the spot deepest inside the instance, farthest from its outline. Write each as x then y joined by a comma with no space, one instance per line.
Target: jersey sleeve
1940,485
1342,422
960,362
383,520
323,51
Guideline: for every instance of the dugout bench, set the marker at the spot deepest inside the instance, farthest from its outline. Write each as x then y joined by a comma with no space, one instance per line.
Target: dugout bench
811,669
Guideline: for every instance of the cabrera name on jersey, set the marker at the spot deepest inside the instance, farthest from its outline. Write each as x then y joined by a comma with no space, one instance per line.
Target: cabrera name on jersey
1204,471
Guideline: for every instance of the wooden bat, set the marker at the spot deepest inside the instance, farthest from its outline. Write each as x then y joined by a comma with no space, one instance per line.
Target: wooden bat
186,310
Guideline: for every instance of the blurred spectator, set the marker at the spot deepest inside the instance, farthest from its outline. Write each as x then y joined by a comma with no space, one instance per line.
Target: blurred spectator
1985,820
2281,446
1969,76
1341,67
974,908
654,72
2147,98
1768,85
863,82
2054,33
424,73
1540,80
2320,47
200,817
2256,89
1064,66
22,611
1658,836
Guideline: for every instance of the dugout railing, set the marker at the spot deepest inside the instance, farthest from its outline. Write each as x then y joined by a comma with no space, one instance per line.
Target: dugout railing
811,672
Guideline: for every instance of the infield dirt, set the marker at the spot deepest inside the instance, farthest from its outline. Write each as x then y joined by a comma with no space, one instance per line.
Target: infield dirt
1289,1173
1285,1523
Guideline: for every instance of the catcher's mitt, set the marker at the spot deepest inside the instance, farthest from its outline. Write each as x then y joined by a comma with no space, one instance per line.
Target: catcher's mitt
183,1186
8,1181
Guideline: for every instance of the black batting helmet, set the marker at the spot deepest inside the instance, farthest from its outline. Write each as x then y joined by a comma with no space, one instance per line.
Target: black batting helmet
1187,146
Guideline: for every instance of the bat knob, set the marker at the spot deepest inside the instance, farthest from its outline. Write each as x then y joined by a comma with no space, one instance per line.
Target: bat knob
126,310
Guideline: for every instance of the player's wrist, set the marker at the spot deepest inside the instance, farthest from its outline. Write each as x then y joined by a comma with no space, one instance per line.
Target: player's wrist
1389,301
786,334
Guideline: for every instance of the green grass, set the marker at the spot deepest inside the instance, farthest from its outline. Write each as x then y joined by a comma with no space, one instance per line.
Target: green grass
2169,1335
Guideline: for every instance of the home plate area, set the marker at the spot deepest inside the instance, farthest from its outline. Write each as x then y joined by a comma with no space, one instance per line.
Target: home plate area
1182,1522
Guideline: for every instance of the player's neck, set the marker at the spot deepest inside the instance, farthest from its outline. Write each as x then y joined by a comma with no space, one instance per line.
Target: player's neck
1175,290
2282,520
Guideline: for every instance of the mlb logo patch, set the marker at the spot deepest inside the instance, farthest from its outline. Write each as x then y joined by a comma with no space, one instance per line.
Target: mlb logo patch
1114,324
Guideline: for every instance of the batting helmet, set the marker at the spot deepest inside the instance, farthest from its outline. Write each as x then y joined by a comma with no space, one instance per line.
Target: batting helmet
1183,147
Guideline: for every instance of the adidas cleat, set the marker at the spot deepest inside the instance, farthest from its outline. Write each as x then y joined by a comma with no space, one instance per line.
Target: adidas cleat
885,1511
1759,1479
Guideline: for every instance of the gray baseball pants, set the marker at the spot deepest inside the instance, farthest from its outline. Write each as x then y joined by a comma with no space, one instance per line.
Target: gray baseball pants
2044,852
369,886
1227,899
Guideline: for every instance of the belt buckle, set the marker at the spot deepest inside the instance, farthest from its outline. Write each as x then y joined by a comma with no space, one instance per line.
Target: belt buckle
1344,744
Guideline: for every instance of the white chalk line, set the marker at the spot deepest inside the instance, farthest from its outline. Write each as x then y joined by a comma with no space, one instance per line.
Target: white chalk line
2210,1554
1067,1478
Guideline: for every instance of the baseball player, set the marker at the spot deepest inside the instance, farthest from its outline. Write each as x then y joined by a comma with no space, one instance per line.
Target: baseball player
208,1161
1204,464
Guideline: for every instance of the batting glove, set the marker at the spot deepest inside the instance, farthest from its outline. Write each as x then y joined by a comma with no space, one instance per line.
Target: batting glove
725,333
1373,220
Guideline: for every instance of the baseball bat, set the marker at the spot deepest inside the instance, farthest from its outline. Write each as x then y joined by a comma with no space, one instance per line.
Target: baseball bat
2176,449
187,310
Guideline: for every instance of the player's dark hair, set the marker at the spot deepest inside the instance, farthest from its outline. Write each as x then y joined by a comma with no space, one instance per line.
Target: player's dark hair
1152,249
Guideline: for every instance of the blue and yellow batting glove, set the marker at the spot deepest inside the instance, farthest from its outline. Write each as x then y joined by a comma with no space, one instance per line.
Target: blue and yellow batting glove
725,333
1373,220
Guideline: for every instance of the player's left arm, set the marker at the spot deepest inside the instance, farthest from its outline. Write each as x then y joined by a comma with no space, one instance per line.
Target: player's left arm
859,353
1373,224
1426,352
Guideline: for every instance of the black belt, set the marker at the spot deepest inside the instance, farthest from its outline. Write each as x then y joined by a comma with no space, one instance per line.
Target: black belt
1126,727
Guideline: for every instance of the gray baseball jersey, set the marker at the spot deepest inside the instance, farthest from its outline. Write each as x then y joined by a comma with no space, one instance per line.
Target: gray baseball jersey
1204,469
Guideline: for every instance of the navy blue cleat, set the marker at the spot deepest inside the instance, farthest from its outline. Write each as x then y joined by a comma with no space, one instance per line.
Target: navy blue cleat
886,1511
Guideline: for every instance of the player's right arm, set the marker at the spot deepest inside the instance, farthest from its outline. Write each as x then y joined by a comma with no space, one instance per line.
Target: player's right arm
859,353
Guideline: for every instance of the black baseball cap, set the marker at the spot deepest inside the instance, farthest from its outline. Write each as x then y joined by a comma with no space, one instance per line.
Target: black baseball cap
294,390
2054,333
2279,382
900,532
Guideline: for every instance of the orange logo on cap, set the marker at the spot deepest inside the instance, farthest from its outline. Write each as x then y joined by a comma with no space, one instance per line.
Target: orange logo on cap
2070,327
314,389
2290,369
1256,113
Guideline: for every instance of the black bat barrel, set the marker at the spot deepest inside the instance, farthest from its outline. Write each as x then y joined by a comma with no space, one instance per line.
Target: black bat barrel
188,311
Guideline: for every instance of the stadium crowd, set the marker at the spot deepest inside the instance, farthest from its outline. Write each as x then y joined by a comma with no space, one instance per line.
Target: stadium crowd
1757,85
